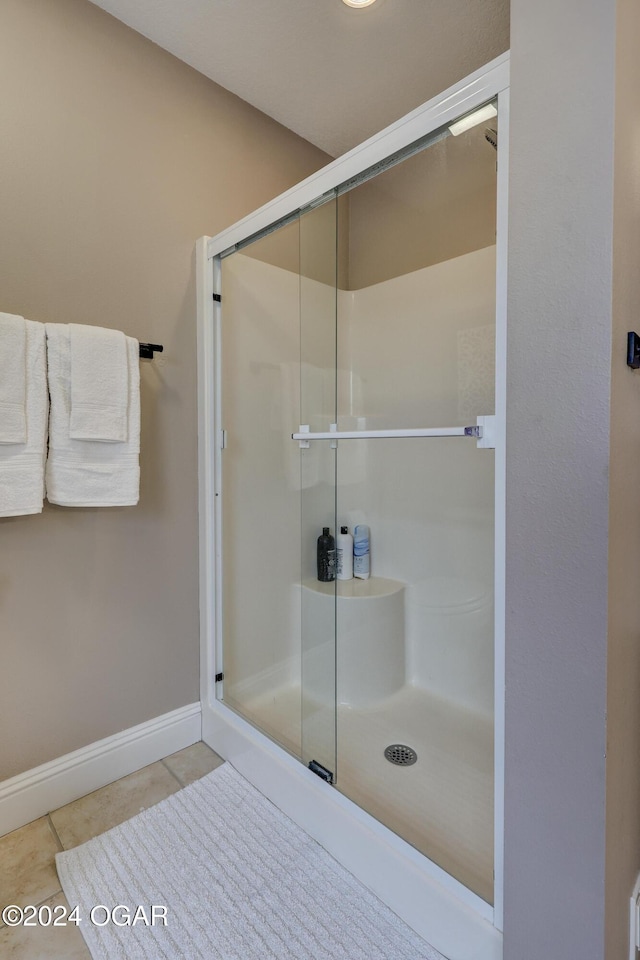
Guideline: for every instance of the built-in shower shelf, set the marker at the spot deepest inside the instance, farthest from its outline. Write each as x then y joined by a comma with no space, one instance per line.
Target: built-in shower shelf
357,589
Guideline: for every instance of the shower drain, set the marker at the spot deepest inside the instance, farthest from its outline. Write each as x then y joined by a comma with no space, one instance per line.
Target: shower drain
401,754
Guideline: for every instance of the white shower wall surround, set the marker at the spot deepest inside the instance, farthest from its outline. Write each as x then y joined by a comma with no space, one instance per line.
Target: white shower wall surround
442,354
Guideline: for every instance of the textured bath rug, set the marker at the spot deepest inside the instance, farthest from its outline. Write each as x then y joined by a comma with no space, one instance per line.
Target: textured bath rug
238,879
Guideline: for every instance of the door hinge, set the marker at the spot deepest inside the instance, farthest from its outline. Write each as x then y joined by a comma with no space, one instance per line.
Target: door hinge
219,677
217,298
321,771
223,439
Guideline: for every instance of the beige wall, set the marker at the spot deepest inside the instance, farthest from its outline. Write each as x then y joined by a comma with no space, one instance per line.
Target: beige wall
114,158
623,669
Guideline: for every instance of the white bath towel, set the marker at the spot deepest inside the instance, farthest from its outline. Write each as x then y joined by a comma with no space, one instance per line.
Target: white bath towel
22,464
13,379
89,473
99,384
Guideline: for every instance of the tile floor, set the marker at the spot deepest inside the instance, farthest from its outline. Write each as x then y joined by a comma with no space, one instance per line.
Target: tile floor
27,856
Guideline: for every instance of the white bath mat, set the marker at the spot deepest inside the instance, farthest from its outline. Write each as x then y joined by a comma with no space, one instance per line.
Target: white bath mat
239,880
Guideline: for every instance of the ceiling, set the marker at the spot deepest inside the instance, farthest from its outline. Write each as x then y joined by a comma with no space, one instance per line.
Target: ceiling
333,74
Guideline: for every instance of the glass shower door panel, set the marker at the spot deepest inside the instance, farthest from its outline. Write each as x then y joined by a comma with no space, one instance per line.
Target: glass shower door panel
415,647
261,496
417,325
415,641
318,266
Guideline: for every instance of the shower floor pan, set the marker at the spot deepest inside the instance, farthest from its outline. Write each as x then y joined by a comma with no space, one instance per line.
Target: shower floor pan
442,804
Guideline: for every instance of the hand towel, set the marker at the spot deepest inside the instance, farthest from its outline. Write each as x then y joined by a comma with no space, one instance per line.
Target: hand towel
22,464
13,379
99,384
89,473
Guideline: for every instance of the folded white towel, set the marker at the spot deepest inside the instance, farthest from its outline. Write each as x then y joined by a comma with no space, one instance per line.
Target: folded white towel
89,473
22,464
13,382
99,383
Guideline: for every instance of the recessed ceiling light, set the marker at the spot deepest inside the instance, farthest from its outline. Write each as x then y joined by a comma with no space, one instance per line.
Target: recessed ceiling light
358,3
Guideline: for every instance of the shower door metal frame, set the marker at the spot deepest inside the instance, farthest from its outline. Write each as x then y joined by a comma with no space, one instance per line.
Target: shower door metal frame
430,900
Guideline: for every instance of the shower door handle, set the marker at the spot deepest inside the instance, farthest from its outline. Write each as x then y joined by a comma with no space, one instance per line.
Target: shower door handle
482,431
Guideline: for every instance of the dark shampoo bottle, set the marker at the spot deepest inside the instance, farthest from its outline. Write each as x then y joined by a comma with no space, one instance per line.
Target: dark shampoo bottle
326,557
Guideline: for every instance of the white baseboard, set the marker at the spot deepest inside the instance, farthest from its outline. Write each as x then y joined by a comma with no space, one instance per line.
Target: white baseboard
31,794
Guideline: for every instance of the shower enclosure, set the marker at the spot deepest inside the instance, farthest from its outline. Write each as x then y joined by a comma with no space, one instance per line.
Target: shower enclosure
351,350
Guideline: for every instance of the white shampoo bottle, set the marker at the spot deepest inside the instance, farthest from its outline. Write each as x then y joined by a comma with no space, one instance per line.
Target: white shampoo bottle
361,551
344,554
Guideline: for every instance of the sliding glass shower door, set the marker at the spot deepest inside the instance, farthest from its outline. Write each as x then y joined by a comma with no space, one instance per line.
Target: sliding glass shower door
416,466
357,373
278,372
260,485
318,366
